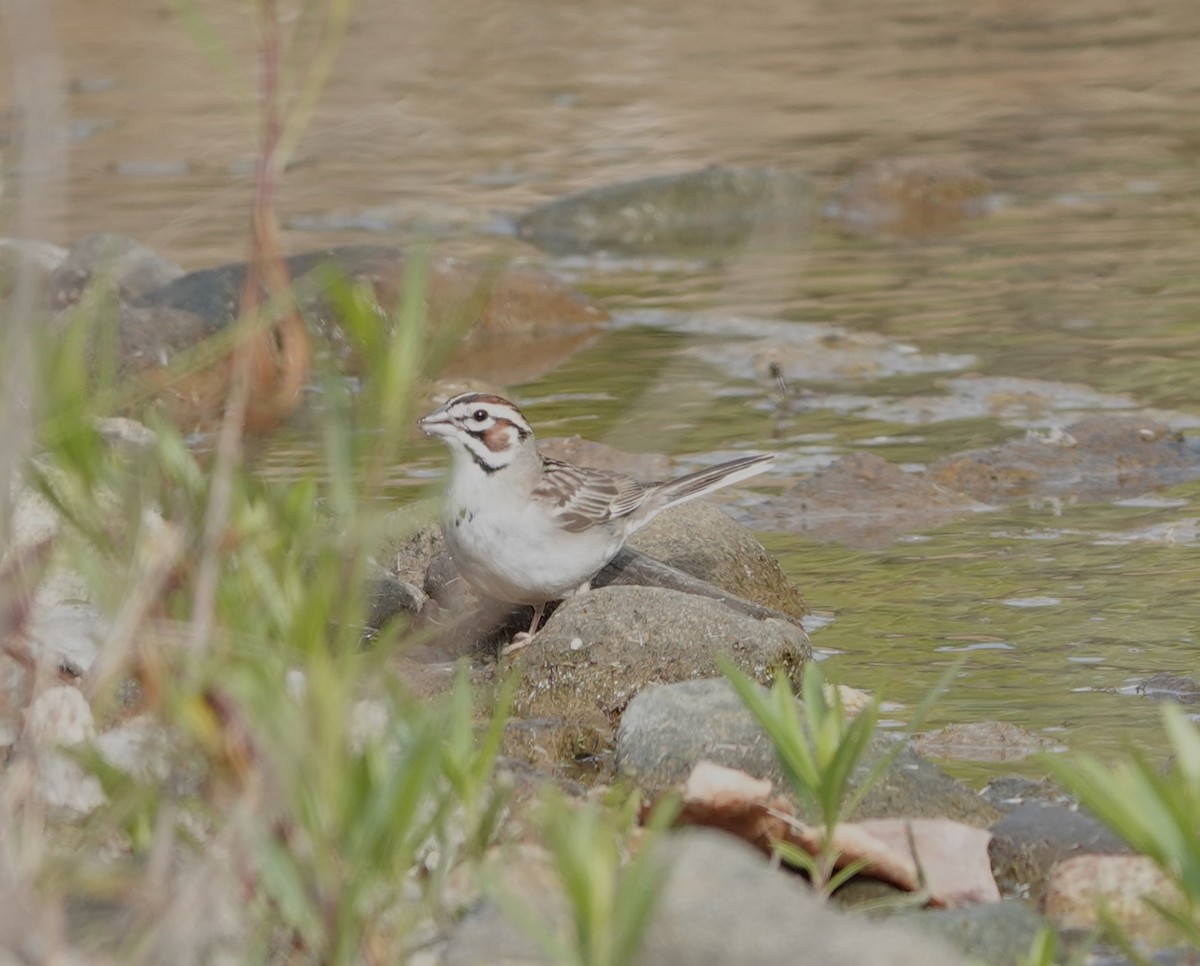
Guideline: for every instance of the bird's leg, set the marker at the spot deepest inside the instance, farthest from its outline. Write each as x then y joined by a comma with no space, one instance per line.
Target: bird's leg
522,640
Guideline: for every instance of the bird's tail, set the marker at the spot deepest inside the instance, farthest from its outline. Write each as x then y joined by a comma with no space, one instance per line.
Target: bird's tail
705,481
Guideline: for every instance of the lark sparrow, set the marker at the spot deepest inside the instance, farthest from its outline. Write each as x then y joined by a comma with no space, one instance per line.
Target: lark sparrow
526,529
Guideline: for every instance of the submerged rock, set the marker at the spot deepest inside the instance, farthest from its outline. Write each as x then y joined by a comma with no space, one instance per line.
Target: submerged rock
508,321
695,213
909,196
991,741
772,351
1094,459
481,300
863,500
1165,686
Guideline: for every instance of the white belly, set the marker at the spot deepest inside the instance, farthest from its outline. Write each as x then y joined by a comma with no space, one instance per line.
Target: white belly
514,553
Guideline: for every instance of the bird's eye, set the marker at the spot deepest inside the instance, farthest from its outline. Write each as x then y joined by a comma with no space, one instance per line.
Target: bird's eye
479,415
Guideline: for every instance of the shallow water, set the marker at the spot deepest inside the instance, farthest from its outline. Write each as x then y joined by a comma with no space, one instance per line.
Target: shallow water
1081,115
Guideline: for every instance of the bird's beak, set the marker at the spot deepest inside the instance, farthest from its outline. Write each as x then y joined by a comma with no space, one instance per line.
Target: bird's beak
437,423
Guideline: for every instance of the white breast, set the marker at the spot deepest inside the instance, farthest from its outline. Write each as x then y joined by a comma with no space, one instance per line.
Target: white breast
512,550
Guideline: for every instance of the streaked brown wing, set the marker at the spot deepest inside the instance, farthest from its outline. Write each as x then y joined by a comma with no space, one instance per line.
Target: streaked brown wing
582,497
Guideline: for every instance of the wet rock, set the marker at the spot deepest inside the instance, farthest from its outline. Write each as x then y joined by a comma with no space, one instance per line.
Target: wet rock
909,196
1007,792
1014,400
701,540
666,730
128,267
1095,459
1166,686
1034,836
997,933
1171,533
141,345
798,353
487,310
864,501
600,649
489,303
695,213
991,741
1120,884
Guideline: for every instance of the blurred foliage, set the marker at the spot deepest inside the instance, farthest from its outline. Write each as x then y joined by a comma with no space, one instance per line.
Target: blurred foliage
1157,811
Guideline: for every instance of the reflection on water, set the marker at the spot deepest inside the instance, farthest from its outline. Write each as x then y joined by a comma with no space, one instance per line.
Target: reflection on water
1081,115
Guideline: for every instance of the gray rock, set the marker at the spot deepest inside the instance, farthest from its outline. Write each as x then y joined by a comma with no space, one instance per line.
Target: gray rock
601,648
721,903
999,933
724,903
704,541
1031,839
131,268
666,730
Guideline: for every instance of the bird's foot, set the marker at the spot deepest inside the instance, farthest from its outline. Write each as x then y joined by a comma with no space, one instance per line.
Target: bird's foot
519,641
